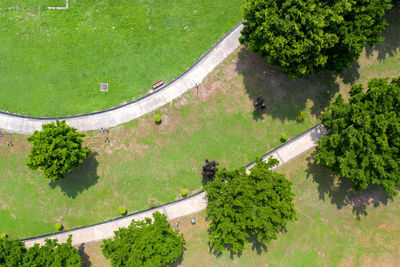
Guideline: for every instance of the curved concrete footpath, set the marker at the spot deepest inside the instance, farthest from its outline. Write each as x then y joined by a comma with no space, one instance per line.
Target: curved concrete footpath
193,204
121,114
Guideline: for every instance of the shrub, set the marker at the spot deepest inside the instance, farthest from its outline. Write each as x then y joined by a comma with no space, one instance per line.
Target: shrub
284,138
209,170
4,235
301,116
157,119
122,210
259,105
184,192
58,226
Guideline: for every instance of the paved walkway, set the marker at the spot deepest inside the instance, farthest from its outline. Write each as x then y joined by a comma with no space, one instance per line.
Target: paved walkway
194,204
118,115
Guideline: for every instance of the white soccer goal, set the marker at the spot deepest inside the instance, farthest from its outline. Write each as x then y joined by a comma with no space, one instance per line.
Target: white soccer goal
60,7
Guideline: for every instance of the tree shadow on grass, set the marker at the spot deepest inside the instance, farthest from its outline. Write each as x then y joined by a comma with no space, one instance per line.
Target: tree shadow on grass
79,179
253,243
388,47
340,190
85,258
284,97
178,261
391,43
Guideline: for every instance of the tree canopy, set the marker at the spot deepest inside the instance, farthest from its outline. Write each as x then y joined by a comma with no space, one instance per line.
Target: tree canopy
13,253
144,243
305,36
57,149
241,206
363,140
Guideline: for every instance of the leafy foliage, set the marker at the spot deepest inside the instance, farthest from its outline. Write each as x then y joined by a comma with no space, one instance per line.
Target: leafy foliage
301,116
184,192
122,210
14,253
58,226
241,205
284,138
144,243
11,252
53,254
308,36
209,170
157,119
363,142
57,149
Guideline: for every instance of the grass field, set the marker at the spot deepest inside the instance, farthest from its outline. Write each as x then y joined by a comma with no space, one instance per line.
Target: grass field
53,61
147,164
330,230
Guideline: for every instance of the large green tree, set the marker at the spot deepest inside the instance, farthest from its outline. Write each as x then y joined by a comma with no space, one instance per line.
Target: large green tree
14,254
144,243
57,149
241,206
363,140
305,36
11,252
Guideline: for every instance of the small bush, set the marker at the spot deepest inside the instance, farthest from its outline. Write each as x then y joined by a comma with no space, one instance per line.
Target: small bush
301,116
122,210
284,138
3,235
209,170
58,226
184,192
259,105
157,119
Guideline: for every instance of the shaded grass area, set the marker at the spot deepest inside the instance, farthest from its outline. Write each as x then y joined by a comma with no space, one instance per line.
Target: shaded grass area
146,164
324,234
53,61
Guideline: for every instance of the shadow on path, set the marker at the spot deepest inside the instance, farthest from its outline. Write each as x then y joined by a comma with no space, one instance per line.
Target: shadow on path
340,190
79,179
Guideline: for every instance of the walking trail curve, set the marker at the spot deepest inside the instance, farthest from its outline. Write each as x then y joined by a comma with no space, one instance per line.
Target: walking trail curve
193,204
124,113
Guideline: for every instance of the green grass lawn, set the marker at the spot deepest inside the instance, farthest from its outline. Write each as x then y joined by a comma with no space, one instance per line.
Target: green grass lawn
335,227
53,61
147,164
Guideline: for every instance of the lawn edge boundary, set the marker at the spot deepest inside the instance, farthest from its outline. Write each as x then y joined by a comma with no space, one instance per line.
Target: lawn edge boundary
121,114
183,207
